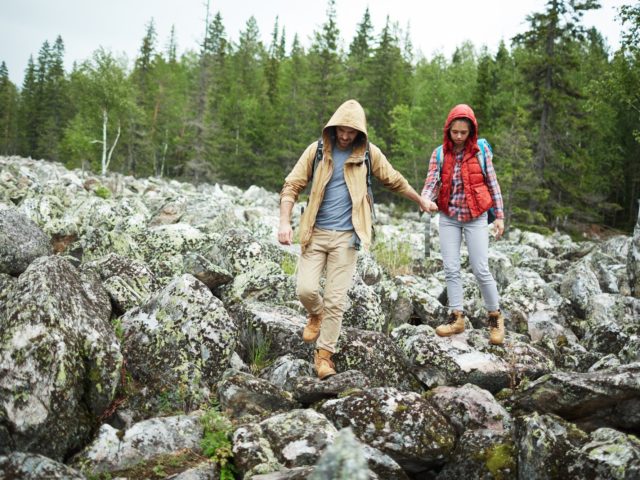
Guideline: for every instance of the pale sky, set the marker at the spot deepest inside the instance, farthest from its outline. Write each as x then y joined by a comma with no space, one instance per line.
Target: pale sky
119,25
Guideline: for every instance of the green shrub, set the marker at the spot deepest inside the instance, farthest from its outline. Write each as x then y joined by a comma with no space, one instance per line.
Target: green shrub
102,192
216,441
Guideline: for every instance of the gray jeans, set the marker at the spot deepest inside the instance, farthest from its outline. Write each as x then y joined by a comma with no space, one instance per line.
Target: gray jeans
476,235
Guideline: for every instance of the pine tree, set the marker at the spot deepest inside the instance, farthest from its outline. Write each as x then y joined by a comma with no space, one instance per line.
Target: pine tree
8,113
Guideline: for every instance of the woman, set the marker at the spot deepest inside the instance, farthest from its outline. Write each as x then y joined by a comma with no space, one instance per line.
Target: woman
464,192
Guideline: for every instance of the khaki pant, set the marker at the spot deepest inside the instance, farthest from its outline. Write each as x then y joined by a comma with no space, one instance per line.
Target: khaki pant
334,251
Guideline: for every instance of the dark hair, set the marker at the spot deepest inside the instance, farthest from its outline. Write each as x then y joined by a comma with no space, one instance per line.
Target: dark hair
472,128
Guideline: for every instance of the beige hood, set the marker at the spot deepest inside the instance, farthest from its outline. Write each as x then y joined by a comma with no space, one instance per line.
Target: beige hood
349,114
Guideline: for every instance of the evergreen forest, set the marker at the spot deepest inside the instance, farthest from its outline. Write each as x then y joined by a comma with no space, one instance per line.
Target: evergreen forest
560,109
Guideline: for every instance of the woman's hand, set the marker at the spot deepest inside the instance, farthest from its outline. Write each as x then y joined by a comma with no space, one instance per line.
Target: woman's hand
427,205
498,224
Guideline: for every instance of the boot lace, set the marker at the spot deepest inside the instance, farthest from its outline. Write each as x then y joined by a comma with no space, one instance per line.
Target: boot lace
453,318
493,321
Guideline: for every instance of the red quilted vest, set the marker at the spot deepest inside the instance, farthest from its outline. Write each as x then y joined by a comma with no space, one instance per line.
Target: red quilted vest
475,189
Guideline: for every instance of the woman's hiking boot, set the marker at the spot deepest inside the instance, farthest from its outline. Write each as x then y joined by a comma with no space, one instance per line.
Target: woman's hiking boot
455,324
323,363
311,330
496,328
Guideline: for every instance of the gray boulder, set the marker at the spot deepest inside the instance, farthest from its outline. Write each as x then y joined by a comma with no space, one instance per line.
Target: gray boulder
403,425
285,371
482,454
31,466
363,309
247,398
580,285
177,345
633,261
292,439
309,390
21,241
114,450
59,358
604,398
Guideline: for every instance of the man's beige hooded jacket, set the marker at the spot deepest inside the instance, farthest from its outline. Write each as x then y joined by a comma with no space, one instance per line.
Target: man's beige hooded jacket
349,114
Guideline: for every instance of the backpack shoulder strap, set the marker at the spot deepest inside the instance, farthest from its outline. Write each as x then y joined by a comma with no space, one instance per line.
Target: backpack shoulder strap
317,158
439,158
482,154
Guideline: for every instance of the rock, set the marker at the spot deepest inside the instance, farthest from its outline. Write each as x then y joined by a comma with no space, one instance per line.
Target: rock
609,454
31,466
470,408
605,398
59,357
363,309
245,397
264,283
127,281
21,241
482,453
299,473
292,439
611,322
343,459
547,447
368,269
211,275
114,450
580,284
376,356
403,425
177,345
633,260
308,390
285,372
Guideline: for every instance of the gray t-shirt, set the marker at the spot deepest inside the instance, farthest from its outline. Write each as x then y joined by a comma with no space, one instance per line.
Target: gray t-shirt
336,207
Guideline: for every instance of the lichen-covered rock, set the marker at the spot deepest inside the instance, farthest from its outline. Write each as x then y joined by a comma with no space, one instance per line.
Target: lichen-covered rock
609,454
401,424
343,459
580,285
298,473
59,358
611,321
178,344
274,330
21,241
213,276
470,408
127,281
245,397
285,371
308,390
482,454
376,356
31,466
547,447
114,449
468,358
605,398
265,283
292,439
368,269
363,309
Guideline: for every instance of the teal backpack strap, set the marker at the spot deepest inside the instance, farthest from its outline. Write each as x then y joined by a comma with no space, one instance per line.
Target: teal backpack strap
482,154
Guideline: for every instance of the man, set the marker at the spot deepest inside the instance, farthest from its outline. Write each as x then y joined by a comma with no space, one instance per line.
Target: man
335,223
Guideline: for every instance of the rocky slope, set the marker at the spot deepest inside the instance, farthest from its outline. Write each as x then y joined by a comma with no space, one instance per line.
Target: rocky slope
132,311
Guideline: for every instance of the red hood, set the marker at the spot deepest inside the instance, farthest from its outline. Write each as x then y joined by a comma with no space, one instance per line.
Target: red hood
461,111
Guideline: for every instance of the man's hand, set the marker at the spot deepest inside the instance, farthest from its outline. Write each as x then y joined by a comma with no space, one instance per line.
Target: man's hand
285,234
498,225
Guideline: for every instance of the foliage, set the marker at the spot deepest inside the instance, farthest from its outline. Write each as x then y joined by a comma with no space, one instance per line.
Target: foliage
216,442
561,110
393,256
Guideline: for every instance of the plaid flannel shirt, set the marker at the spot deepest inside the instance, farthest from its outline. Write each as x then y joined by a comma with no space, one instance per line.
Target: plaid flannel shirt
458,200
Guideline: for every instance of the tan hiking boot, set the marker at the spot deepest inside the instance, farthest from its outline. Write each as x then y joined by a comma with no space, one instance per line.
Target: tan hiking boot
311,330
496,328
322,361
455,324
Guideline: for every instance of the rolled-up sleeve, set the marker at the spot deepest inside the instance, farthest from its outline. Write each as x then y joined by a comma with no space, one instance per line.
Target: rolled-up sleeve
433,176
492,182
299,176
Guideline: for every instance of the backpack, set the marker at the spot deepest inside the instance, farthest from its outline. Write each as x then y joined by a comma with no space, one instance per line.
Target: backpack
482,143
367,160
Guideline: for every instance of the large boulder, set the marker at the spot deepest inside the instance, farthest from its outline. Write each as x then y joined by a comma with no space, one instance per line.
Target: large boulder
633,260
114,450
31,466
21,241
604,398
178,344
59,358
403,425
